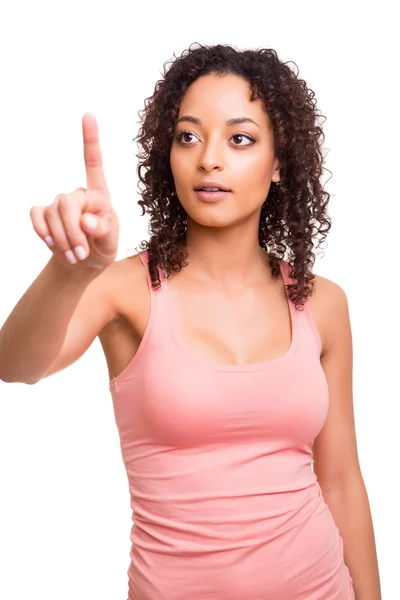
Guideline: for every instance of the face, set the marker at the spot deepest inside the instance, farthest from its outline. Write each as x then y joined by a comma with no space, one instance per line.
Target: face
238,156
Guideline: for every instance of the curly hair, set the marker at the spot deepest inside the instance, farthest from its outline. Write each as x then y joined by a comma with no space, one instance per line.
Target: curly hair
294,211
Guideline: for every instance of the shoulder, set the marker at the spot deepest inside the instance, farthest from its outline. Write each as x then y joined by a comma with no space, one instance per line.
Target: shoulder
131,267
125,284
329,307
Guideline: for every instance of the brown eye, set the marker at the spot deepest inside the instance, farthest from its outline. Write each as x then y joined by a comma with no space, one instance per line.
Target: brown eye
241,135
179,136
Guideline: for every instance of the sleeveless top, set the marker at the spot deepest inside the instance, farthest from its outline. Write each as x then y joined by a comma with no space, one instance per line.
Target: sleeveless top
226,505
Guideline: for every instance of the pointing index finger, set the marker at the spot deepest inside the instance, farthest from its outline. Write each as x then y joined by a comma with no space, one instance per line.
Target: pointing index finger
92,154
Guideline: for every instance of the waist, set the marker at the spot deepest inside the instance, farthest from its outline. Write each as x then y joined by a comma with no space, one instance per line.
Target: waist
213,524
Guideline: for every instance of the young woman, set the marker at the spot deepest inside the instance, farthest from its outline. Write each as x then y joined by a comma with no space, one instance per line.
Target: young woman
230,361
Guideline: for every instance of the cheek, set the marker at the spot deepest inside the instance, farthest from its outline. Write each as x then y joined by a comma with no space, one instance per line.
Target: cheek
174,163
252,165
254,168
179,163
253,181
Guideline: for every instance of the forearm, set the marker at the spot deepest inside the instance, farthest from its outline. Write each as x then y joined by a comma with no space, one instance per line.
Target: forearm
350,509
35,330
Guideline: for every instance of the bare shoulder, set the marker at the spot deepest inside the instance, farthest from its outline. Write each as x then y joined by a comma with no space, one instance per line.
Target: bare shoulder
130,297
327,303
127,287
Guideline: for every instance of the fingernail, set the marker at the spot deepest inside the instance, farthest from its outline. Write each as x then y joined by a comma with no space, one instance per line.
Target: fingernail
49,240
90,221
80,252
70,257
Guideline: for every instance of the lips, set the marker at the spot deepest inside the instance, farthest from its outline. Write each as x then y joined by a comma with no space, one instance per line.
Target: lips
212,196
206,185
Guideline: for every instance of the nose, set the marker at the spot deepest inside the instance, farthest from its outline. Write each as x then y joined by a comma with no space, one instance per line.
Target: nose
210,159
209,167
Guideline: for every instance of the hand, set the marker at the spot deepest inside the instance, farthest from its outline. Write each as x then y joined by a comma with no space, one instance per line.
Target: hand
65,224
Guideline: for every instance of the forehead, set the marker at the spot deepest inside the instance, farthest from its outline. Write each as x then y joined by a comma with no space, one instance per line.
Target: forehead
214,99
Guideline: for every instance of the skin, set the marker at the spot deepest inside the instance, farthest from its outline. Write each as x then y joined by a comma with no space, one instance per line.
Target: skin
222,238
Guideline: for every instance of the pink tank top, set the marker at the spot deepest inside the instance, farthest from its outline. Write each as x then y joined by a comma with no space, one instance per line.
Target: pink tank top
219,458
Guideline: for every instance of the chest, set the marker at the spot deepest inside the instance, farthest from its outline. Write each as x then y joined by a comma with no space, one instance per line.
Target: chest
228,328
235,375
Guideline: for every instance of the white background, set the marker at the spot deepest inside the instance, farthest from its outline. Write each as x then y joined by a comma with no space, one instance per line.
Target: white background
65,516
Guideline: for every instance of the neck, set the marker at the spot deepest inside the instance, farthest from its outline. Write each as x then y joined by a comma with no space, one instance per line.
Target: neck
226,256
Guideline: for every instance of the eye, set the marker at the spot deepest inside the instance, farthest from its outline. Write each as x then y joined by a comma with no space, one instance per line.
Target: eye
241,135
181,135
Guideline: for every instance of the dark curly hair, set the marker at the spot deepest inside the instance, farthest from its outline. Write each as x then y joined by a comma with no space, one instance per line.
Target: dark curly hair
294,211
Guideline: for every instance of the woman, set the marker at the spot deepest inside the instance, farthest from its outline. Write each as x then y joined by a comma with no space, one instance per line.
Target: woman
230,367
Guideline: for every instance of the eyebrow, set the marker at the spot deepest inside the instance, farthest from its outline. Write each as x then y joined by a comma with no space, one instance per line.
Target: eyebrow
235,121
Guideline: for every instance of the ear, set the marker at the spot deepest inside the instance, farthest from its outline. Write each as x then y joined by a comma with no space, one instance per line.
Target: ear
276,176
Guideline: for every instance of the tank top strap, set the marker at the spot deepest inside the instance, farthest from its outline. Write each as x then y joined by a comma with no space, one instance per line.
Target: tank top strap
307,327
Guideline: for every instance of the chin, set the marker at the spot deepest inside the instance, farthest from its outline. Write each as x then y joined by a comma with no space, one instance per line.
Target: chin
210,218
